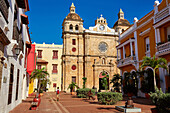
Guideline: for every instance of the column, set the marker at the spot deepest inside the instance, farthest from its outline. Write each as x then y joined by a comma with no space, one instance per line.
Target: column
123,52
117,54
131,48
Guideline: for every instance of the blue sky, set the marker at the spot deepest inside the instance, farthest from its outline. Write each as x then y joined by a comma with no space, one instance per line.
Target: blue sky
46,16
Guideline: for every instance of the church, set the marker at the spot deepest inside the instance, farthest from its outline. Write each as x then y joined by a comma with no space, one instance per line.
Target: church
89,53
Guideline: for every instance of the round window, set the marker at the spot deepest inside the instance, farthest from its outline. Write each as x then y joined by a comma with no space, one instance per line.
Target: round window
103,46
73,67
74,49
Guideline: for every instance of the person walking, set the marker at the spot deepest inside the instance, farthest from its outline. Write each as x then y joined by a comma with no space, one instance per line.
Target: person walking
57,93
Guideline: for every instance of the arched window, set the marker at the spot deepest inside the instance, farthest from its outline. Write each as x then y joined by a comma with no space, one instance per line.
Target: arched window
123,30
71,27
77,28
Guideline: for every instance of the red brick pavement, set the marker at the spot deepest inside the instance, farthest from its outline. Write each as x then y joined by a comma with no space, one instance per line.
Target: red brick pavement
70,104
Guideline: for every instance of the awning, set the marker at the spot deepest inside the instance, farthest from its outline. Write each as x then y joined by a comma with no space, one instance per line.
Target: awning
24,19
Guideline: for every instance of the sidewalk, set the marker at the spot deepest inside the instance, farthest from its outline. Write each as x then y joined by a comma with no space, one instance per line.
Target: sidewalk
71,104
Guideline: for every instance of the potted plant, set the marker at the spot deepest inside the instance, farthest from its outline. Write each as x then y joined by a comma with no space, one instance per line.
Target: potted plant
72,86
41,75
84,82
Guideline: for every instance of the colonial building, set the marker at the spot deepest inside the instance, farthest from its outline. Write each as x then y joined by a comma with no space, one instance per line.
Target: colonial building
49,57
88,52
14,39
31,66
148,36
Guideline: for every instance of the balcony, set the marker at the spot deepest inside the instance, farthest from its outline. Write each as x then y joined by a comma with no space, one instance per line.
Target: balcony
127,61
4,5
163,49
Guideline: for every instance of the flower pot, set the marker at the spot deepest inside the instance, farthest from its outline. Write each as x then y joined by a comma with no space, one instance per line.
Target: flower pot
37,100
154,110
72,93
147,95
41,94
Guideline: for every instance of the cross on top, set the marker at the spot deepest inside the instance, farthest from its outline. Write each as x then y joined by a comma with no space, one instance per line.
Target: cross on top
101,15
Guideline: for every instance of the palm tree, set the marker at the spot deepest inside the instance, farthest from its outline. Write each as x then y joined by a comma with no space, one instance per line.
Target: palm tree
117,81
72,86
155,64
41,75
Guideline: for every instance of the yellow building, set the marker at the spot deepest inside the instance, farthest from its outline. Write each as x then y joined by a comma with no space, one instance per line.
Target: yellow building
49,56
89,52
148,36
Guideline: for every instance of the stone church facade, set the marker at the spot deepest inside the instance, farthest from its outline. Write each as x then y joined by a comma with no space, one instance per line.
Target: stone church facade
88,52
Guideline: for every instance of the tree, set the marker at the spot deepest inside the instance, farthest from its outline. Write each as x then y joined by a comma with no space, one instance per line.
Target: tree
105,80
41,75
72,86
155,64
84,82
116,80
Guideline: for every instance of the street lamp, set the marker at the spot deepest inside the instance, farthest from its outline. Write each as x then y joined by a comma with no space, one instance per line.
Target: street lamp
17,51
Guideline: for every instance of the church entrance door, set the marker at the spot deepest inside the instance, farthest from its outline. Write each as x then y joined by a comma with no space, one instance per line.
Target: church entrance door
103,75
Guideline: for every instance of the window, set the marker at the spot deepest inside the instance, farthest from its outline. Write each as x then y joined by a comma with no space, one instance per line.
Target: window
39,67
54,68
55,54
147,44
39,53
74,41
4,5
10,84
74,79
73,67
71,27
74,49
17,85
77,28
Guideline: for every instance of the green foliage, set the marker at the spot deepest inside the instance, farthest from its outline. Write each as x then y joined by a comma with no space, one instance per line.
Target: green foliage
116,80
42,76
109,98
161,100
72,86
155,64
83,92
84,82
104,80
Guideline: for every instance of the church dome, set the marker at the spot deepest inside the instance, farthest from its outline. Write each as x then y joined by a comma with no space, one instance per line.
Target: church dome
121,22
73,16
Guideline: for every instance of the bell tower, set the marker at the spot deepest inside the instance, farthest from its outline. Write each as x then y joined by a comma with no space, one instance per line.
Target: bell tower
72,47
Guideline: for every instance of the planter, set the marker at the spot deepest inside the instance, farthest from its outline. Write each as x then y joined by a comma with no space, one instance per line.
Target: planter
130,94
72,93
37,100
41,94
154,110
147,95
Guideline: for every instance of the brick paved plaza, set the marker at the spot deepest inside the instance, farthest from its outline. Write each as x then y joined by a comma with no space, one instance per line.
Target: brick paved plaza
71,104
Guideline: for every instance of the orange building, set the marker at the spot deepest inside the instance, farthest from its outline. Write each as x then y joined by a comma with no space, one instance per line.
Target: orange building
148,36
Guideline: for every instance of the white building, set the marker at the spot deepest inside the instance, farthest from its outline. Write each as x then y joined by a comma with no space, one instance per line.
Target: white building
14,30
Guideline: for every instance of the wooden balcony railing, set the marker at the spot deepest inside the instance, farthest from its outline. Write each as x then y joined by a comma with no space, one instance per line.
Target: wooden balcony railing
163,48
127,60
